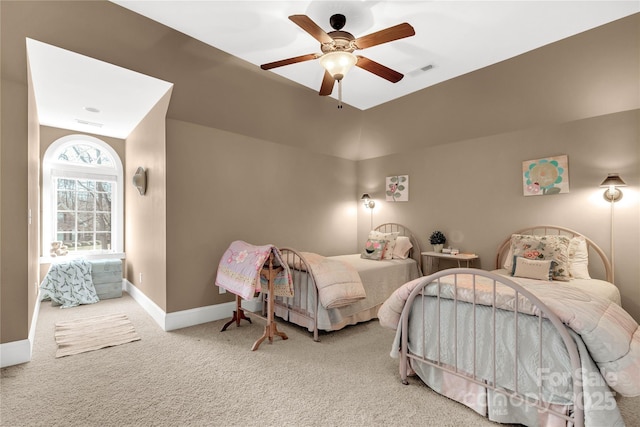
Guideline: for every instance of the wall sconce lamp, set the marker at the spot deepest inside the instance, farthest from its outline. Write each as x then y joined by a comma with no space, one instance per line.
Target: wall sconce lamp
369,204
366,200
613,194
140,180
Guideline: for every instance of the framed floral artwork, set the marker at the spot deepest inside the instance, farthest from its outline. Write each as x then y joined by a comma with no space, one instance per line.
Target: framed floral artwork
397,188
546,176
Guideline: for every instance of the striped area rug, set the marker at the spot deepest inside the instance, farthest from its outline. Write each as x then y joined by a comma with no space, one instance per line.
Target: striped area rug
93,333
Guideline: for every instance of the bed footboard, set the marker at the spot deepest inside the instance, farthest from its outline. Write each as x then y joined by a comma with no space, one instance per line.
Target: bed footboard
449,329
305,303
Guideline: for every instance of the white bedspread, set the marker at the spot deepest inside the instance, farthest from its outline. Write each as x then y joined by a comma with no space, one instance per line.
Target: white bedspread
379,278
611,335
595,287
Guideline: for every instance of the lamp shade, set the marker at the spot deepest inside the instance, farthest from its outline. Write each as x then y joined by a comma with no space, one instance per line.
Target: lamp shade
338,63
613,194
366,200
613,179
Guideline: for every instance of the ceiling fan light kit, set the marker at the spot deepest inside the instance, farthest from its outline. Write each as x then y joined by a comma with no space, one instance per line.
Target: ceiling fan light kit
337,48
338,63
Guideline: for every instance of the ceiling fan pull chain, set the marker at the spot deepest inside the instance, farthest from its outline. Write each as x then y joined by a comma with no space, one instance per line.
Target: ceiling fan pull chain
340,93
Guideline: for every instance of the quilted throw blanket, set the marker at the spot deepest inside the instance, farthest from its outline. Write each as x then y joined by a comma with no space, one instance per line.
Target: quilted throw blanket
611,335
338,282
240,267
69,284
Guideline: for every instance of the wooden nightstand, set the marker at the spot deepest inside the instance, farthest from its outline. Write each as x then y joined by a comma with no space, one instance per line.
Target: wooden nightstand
433,260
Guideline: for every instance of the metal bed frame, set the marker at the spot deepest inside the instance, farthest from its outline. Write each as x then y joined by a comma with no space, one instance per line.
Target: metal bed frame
303,277
521,295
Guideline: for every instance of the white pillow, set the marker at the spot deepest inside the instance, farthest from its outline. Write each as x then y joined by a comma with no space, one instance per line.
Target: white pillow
579,258
532,268
390,239
402,248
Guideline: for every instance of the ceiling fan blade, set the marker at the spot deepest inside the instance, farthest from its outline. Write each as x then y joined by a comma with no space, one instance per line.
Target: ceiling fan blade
294,60
327,84
304,22
379,69
396,32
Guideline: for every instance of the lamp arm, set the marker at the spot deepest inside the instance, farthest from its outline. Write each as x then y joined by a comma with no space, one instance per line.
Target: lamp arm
611,243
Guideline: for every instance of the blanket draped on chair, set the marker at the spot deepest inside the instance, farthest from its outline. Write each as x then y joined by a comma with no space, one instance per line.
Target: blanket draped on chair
240,267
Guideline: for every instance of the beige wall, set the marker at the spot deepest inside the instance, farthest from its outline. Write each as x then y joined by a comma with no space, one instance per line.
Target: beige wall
223,187
211,88
472,190
503,114
588,75
146,216
14,288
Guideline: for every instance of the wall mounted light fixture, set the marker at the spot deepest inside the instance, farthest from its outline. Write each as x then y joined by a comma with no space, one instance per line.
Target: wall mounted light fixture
613,181
366,200
612,194
369,204
140,180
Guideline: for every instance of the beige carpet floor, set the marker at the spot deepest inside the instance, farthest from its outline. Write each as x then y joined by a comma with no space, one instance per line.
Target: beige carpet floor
199,376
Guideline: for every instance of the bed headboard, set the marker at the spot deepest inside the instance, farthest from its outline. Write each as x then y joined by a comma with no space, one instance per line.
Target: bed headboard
415,252
542,230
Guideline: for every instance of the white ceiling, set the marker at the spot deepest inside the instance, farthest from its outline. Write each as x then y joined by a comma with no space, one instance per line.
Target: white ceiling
455,37
73,91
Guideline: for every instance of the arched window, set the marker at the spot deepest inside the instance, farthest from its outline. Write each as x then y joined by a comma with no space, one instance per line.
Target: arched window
82,197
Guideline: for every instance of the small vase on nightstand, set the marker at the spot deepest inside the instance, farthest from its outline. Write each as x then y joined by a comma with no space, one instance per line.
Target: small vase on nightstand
438,248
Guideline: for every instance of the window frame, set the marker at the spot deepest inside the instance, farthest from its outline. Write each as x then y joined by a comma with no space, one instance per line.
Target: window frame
54,168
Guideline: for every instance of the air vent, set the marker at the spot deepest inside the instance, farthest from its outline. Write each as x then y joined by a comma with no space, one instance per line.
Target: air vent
88,123
418,72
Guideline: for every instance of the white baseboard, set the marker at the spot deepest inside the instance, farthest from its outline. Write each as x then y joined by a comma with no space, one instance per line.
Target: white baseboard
185,318
17,352
147,304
